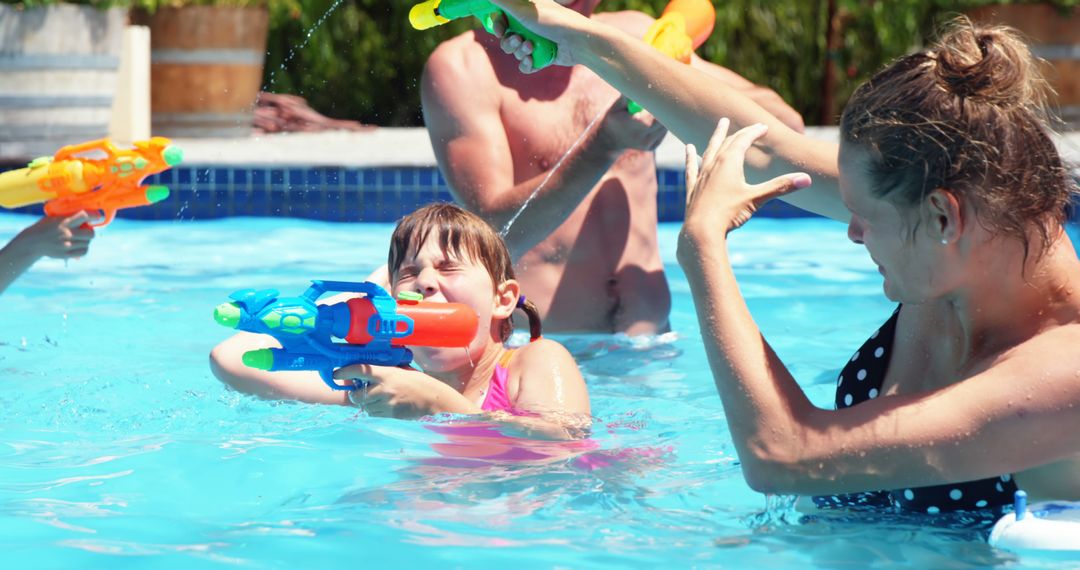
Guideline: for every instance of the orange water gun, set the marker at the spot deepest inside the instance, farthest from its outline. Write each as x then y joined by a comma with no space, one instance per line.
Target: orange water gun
681,28
69,183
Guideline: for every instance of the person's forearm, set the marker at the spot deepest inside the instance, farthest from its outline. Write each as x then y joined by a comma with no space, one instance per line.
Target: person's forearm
14,261
561,190
533,427
764,406
689,103
450,401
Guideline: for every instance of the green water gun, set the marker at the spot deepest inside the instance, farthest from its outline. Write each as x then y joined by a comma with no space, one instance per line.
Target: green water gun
438,12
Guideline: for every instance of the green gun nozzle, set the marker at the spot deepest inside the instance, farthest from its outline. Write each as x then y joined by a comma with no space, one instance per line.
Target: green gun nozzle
227,315
156,193
422,16
261,359
172,155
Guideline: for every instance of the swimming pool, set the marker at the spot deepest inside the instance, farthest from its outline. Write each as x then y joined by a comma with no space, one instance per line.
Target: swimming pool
121,449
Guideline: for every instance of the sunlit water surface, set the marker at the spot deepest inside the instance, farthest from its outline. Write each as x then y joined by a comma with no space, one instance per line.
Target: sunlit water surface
120,449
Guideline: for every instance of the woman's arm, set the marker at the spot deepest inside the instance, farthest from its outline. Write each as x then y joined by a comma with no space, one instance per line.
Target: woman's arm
687,101
1004,419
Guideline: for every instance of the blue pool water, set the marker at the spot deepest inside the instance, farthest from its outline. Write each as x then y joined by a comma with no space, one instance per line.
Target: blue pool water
119,448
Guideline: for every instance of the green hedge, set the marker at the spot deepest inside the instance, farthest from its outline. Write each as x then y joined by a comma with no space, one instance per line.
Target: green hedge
364,61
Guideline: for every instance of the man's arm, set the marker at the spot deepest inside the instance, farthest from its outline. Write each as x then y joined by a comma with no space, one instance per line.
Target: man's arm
471,142
687,101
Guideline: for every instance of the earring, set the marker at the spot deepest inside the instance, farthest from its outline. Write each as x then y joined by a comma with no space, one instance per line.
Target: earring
944,241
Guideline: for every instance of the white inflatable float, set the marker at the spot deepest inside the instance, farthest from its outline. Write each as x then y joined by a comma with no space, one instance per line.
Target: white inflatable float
1049,526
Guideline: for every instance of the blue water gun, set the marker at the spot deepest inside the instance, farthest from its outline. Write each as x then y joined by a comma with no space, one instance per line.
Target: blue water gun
376,328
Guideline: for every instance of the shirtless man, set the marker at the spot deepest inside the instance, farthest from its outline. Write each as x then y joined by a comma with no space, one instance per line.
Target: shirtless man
586,244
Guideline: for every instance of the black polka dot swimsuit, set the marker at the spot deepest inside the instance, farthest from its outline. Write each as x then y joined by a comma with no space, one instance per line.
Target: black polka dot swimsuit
861,380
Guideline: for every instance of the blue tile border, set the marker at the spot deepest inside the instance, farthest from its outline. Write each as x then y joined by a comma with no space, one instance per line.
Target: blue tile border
337,194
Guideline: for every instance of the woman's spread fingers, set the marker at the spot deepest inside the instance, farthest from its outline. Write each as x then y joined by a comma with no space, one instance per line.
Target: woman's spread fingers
781,185
691,171
716,142
741,141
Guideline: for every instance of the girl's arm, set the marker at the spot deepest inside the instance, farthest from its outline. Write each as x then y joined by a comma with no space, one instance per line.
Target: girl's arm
227,366
551,388
687,101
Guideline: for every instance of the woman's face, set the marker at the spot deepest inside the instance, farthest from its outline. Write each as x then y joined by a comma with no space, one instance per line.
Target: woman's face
440,277
904,257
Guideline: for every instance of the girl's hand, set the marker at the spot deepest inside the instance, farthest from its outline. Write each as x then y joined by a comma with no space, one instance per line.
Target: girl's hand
718,199
403,393
544,17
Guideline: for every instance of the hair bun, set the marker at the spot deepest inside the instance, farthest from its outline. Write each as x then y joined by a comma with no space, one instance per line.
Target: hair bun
988,63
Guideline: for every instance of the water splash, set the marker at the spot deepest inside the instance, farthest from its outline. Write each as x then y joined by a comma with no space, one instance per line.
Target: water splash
506,229
779,511
294,49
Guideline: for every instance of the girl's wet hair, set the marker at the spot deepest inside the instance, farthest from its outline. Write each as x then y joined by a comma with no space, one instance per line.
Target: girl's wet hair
968,115
461,235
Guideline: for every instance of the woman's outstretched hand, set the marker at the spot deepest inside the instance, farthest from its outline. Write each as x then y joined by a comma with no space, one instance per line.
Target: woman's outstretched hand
718,199
544,17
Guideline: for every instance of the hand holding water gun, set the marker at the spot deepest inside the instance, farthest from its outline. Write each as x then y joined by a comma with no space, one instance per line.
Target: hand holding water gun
682,28
376,328
69,183
433,13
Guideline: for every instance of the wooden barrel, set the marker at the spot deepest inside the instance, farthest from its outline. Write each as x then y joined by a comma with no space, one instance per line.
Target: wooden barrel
58,76
1054,36
206,67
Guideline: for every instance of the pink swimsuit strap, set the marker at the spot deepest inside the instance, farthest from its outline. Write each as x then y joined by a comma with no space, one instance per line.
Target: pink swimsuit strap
497,400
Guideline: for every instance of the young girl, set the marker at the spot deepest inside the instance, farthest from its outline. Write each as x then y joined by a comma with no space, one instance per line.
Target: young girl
446,254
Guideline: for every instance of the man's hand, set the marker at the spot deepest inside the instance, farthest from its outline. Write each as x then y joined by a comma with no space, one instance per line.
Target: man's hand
620,131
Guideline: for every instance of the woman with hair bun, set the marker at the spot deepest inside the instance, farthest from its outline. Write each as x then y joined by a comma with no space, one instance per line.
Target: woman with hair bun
947,174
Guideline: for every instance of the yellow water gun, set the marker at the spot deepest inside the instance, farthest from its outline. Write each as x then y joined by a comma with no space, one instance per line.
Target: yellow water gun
69,183
682,27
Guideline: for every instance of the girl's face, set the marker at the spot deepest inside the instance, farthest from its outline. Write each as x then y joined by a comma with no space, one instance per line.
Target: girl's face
438,276
906,259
